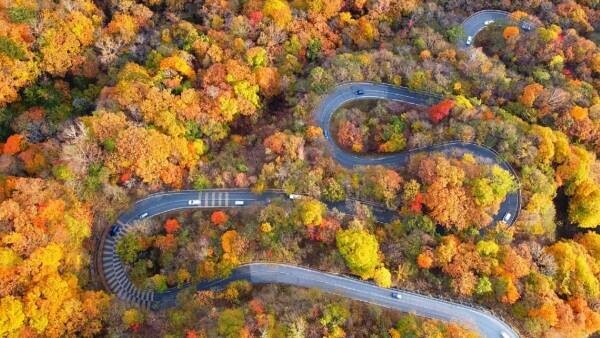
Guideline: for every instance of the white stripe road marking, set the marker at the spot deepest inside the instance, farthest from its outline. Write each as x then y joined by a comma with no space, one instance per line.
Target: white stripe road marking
226,199
206,199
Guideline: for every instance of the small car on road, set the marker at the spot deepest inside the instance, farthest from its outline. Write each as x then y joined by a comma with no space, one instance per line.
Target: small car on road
144,215
114,230
238,203
194,202
359,92
526,26
507,217
488,22
396,295
469,40
504,334
294,196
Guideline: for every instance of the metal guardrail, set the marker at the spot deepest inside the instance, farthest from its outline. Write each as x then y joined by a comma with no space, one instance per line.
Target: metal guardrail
498,11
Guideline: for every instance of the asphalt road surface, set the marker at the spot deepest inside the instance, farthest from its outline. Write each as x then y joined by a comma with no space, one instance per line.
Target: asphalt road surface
479,320
479,20
116,279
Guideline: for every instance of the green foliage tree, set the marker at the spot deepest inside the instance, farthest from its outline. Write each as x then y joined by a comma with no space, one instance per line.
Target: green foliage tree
335,314
484,286
419,222
455,33
407,326
231,322
158,283
128,248
333,190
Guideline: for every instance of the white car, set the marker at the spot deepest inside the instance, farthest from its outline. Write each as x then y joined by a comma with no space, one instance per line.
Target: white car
488,22
238,202
144,215
504,334
507,217
295,196
396,295
469,40
526,26
194,202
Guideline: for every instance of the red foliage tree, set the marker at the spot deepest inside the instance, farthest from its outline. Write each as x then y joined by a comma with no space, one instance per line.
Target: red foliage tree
255,17
172,225
324,232
219,217
125,176
416,205
439,111
191,334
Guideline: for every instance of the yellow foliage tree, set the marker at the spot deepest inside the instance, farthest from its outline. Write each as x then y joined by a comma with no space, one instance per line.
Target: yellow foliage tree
546,140
41,258
152,155
179,64
279,11
65,36
11,316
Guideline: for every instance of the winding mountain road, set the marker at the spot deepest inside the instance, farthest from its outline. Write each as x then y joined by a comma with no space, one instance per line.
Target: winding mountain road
115,276
479,20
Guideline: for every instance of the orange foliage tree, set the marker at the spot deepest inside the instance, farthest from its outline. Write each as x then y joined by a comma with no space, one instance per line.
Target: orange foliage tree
351,136
14,144
530,93
510,32
425,259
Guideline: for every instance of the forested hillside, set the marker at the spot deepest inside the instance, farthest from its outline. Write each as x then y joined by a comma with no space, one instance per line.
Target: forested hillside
105,102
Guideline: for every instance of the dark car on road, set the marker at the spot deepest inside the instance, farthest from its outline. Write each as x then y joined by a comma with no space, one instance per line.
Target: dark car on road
359,92
114,229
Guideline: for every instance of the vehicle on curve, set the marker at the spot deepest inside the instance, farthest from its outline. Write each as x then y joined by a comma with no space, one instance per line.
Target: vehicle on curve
504,334
294,196
488,22
359,92
469,40
114,229
526,26
144,215
507,217
238,203
396,295
194,202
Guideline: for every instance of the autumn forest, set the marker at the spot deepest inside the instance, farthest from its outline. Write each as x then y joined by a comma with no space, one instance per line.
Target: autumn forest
106,102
